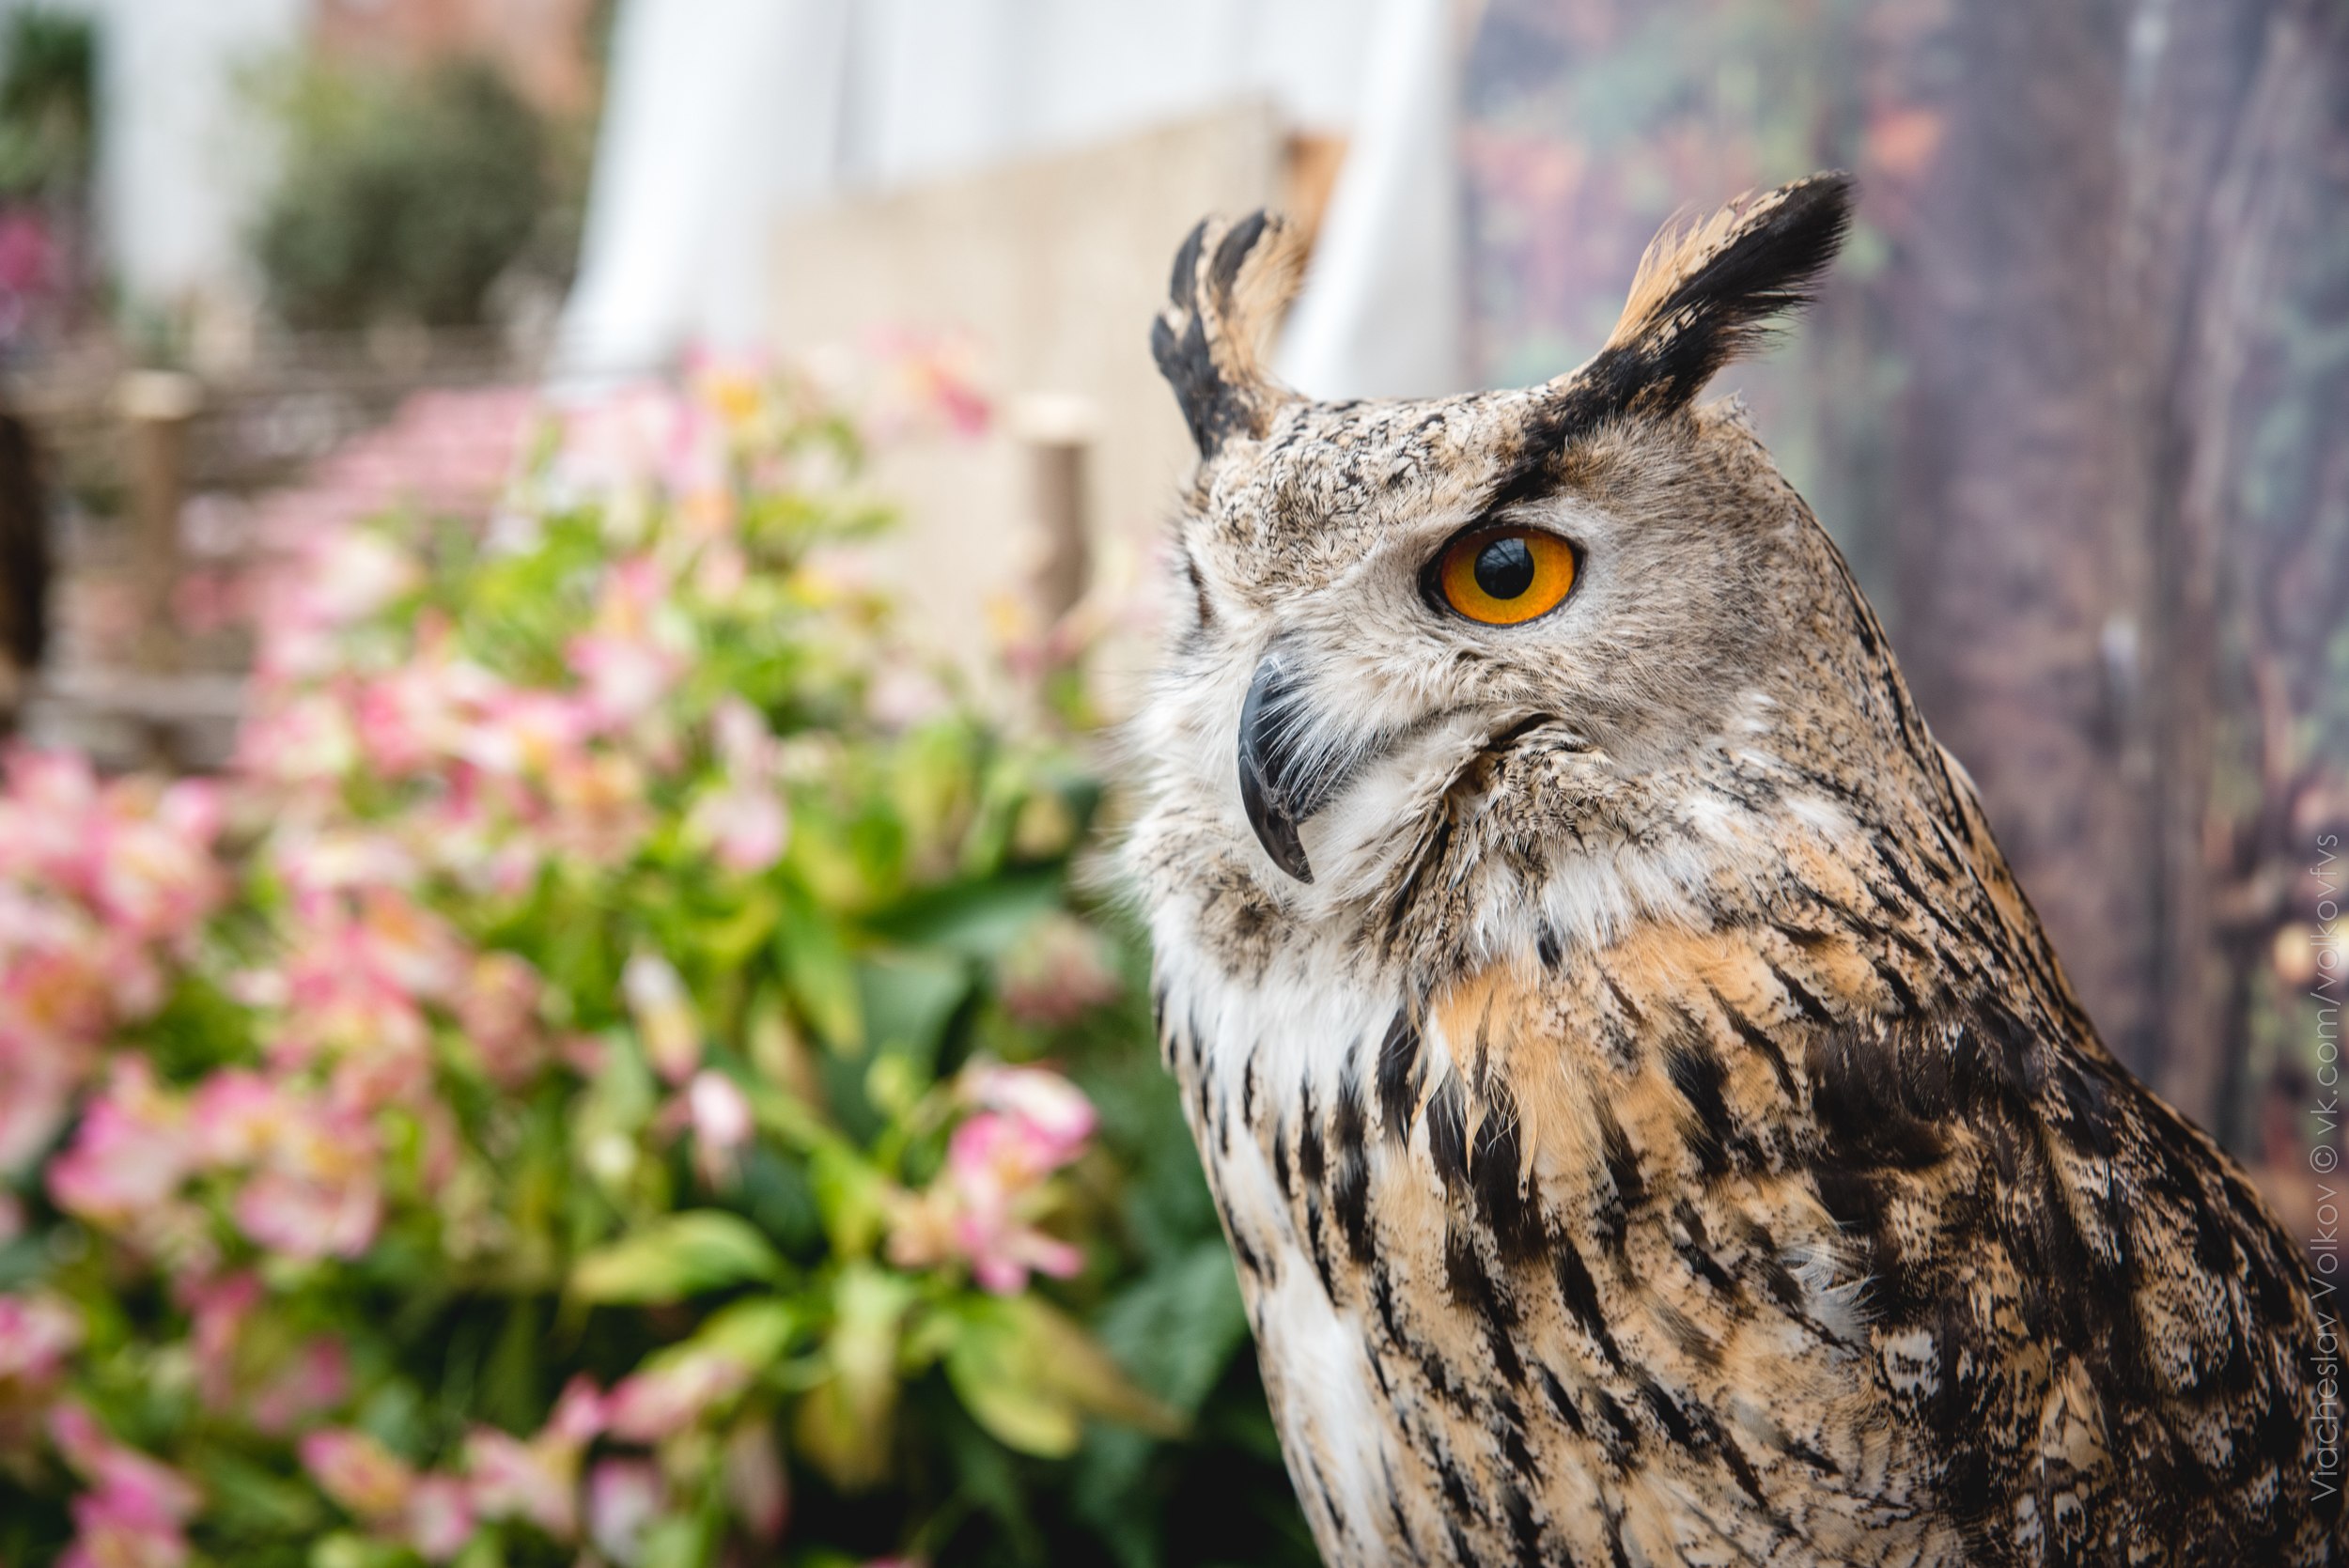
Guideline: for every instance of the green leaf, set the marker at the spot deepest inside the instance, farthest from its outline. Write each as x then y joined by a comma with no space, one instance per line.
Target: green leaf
243,1496
1029,1374
673,1258
845,1423
727,945
851,1196
507,1392
909,998
756,1331
1180,1326
979,919
344,1549
485,1550
1004,1395
819,974
676,1543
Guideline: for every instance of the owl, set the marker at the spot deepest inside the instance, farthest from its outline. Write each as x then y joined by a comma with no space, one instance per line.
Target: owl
1650,1124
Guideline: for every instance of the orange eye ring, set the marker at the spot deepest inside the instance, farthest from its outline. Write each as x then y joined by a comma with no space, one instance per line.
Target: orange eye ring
1503,576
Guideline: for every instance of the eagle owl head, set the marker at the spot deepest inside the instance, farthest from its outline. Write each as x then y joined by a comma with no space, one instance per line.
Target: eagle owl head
1533,619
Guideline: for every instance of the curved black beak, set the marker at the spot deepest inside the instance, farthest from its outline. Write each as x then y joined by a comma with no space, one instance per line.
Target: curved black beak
1271,790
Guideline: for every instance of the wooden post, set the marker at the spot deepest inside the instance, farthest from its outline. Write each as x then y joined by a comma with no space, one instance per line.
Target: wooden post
157,406
1057,429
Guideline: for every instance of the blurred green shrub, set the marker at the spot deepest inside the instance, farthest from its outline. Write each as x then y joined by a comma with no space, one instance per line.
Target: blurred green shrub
616,1074
404,197
48,97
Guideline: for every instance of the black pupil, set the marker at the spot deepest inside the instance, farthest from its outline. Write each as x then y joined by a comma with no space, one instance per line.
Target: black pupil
1505,568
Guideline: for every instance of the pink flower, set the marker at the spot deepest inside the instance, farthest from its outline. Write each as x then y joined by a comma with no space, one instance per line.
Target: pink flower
580,1414
756,1482
319,861
613,443
114,1528
439,1520
98,884
37,1334
63,969
352,573
304,739
664,1014
597,811
721,571
527,734
150,866
746,826
28,255
236,1114
994,1164
367,1479
743,819
417,716
313,1189
131,1153
624,1496
330,1209
340,1002
983,1206
407,946
498,1009
133,1513
38,1082
44,817
740,735
674,1393
536,1481
53,989
624,677
217,1310
902,696
637,650
935,378
354,990
1054,1113
314,1378
433,1513
509,1479
1057,973
722,1124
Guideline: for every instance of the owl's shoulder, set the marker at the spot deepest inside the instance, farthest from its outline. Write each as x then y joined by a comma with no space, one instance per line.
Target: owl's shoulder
2101,1310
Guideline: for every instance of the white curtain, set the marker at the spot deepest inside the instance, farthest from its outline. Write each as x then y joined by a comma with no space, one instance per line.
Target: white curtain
183,147
725,115
1382,311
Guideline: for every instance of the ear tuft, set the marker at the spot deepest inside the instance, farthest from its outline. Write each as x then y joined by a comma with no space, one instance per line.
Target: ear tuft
1232,283
1707,292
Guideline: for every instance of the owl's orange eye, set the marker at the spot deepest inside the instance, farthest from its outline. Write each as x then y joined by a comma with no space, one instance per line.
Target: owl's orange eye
1502,576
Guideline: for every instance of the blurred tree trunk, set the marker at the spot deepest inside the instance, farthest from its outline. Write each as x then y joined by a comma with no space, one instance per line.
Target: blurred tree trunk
2266,485
2097,257
2020,583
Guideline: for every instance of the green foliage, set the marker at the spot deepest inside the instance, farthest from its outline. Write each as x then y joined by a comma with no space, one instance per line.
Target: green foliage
403,198
613,1082
48,93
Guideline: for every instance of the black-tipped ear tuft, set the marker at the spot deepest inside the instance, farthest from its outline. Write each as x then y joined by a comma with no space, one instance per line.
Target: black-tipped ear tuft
1708,293
1231,282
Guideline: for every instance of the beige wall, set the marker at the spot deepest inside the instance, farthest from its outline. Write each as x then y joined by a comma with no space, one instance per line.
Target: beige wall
1053,267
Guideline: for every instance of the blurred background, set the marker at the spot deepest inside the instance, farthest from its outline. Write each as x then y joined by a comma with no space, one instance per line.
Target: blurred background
280,275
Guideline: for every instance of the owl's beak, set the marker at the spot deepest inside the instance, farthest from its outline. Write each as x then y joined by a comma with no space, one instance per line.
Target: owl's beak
1271,789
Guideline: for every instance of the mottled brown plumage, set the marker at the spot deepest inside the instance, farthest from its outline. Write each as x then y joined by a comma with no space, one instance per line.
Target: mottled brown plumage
1648,1118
